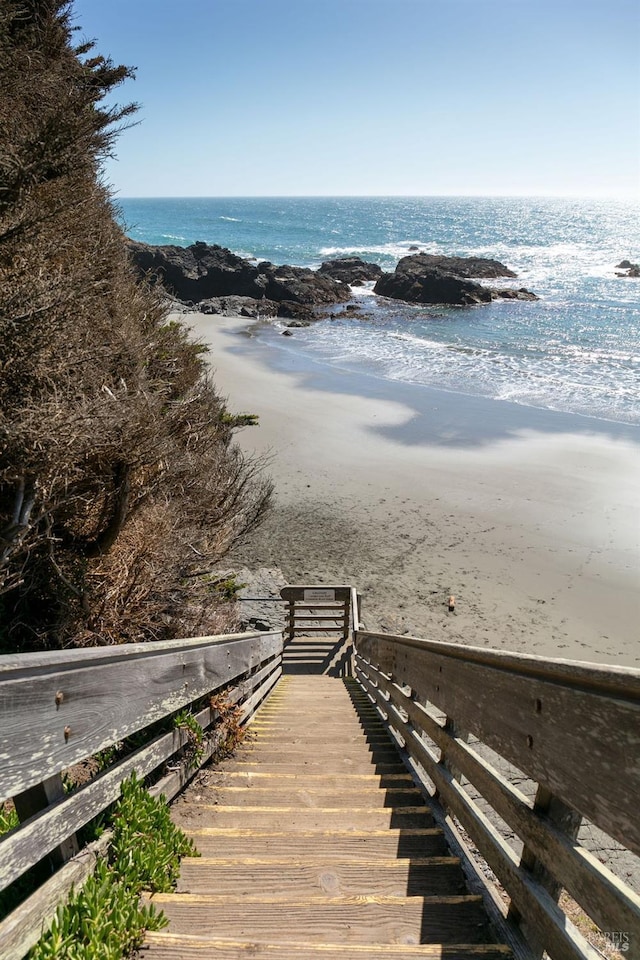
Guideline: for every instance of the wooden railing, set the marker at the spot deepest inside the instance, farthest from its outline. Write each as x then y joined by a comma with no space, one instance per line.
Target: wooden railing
60,708
463,715
466,719
328,613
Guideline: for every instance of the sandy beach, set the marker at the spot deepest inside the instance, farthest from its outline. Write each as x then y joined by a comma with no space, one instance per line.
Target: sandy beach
529,518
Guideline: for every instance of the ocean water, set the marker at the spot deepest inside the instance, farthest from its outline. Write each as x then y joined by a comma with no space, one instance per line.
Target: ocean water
576,350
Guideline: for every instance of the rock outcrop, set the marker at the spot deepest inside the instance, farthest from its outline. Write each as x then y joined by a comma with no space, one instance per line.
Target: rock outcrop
350,270
632,269
202,272
425,278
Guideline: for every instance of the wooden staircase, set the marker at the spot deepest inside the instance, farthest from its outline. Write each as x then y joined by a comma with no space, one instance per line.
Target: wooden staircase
316,843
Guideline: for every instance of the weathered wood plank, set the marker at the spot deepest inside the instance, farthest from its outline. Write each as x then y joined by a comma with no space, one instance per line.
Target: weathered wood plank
168,946
37,798
377,919
281,780
610,902
20,849
609,679
309,818
357,845
319,765
76,706
550,924
313,796
297,616
295,592
553,724
427,877
38,836
26,664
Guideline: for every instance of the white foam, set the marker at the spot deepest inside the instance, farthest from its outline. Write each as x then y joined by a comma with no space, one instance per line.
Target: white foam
598,382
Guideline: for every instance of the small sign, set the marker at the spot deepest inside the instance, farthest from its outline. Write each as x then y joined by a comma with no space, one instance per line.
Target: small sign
319,596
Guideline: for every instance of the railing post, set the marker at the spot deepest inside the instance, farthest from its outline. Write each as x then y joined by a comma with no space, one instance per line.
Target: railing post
568,821
38,798
291,625
451,727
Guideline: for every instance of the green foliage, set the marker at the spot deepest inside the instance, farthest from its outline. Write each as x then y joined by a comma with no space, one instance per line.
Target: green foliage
228,588
8,819
235,420
104,758
105,920
146,844
194,750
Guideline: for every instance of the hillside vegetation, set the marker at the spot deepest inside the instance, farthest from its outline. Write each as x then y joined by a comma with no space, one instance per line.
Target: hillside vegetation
119,479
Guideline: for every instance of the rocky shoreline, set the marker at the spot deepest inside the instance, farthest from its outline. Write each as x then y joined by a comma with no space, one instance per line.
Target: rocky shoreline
214,280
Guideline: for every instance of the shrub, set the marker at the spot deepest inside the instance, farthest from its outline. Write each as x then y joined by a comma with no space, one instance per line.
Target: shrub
118,471
105,919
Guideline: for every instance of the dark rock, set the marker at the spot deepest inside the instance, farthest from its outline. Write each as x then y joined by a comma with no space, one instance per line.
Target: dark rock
287,333
511,294
424,278
413,248
350,270
357,283
299,323
238,306
633,269
352,308
202,272
296,311
467,267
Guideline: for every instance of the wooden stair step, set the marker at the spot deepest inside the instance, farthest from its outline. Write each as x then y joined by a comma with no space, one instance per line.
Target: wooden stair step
329,766
292,735
358,845
313,700
309,818
170,946
314,796
334,919
315,842
346,780
270,753
324,728
351,741
299,720
287,875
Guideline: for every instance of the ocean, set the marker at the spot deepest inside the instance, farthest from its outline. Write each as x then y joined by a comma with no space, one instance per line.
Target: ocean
576,350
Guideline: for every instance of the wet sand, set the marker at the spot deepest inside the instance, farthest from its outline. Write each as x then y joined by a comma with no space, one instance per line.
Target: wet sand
529,518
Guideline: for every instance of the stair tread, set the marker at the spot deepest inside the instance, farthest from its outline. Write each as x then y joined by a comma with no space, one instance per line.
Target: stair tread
170,946
315,841
425,877
350,919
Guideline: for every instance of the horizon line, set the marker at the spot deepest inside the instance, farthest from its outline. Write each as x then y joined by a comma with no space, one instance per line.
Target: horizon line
381,196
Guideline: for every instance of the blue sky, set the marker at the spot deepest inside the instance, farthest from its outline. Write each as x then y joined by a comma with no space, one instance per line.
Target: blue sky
375,97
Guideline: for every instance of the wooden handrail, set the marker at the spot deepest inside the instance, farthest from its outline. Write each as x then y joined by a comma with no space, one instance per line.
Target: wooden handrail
574,728
61,708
